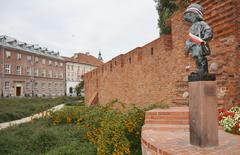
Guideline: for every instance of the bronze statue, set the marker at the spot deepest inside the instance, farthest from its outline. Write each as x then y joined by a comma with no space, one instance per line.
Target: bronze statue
200,34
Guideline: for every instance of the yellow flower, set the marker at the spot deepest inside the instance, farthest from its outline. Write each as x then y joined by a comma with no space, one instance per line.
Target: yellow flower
69,119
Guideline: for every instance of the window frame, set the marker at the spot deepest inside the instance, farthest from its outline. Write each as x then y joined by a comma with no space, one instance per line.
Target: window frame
7,87
18,72
7,68
8,54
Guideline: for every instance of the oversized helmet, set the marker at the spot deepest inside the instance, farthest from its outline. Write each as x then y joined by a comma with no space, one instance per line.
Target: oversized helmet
195,8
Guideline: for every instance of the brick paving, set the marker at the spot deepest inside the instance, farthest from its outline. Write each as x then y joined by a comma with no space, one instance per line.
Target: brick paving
178,143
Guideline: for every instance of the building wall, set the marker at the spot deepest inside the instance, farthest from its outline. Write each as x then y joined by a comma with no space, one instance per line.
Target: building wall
157,71
74,73
32,84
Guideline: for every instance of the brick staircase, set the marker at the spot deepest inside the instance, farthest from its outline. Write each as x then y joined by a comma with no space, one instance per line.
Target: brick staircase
173,119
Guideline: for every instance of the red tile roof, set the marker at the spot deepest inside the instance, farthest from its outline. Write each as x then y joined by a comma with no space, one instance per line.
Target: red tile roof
85,59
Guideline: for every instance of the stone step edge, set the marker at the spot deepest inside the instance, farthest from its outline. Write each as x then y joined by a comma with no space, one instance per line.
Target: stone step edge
173,122
166,113
169,127
160,117
165,127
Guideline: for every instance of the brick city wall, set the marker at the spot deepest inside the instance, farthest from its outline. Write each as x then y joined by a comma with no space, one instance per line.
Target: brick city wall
157,71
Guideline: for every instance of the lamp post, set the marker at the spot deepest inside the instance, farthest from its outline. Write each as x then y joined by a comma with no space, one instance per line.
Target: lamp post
32,81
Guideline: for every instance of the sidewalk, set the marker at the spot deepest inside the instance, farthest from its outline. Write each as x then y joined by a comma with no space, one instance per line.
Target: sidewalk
28,119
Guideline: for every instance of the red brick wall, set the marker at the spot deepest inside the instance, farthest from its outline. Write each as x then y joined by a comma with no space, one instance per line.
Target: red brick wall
162,76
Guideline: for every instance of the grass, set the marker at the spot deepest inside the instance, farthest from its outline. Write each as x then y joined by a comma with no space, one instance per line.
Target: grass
13,109
41,137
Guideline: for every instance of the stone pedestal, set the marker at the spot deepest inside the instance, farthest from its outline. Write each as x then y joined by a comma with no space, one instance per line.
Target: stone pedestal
203,113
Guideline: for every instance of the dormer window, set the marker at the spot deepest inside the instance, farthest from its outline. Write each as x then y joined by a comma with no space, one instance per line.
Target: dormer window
19,56
29,58
43,61
8,54
36,59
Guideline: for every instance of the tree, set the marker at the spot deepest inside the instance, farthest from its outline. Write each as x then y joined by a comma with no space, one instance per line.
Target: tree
79,88
165,9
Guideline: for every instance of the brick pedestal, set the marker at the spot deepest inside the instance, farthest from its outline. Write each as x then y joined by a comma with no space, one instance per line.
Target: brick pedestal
203,113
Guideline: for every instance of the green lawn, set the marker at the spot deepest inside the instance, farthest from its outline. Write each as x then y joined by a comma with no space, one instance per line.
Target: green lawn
13,109
41,137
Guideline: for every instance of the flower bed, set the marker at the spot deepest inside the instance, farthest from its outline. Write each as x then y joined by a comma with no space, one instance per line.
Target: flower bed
230,119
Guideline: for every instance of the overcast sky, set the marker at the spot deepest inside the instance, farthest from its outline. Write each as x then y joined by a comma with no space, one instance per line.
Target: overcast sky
71,26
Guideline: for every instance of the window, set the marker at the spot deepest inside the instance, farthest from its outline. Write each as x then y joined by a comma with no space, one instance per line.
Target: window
29,71
36,59
43,73
56,63
72,67
55,75
50,62
36,72
61,75
18,70
49,74
28,85
7,68
151,51
19,56
70,90
43,85
8,54
43,61
72,76
7,85
61,64
35,85
49,86
29,58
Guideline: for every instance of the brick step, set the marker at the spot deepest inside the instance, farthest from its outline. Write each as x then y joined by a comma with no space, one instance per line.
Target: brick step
174,122
184,110
168,117
165,127
160,113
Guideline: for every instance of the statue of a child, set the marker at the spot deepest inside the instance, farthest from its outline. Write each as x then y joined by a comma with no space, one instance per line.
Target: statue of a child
197,44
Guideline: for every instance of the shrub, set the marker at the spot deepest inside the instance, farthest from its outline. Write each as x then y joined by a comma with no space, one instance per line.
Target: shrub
112,131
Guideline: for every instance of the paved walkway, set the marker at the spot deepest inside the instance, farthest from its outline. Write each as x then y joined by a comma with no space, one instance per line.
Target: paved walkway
177,143
28,119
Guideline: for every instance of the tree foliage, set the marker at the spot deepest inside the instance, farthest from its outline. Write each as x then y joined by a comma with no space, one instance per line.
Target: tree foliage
165,9
79,88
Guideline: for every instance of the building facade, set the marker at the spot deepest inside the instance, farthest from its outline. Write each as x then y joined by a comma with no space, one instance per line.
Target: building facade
76,67
30,70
